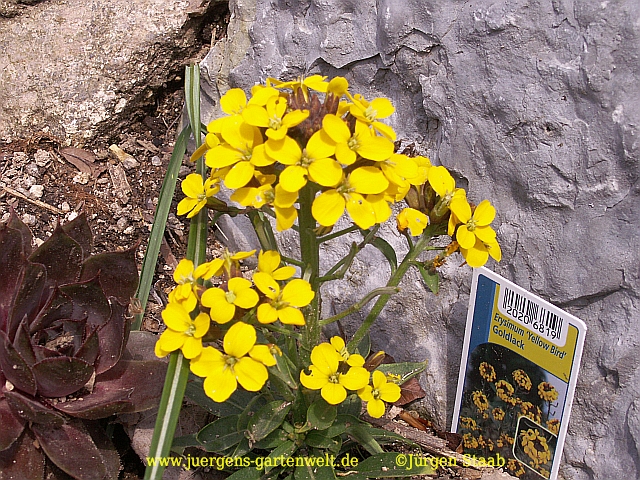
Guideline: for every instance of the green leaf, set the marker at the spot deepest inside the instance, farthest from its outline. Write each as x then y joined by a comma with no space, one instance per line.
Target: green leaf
159,223
319,439
249,473
255,404
221,434
431,280
364,347
286,371
309,472
393,464
267,419
352,405
405,370
241,449
272,440
362,435
320,415
284,450
235,405
388,251
186,441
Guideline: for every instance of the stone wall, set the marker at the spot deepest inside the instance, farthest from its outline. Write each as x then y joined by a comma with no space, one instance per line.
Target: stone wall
532,104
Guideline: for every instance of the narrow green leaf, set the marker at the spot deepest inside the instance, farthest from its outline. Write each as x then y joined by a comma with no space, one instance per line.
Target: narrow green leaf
393,464
320,415
159,223
267,419
364,347
362,435
431,280
405,370
168,412
388,252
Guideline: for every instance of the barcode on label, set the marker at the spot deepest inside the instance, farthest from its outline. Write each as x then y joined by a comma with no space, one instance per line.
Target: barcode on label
532,315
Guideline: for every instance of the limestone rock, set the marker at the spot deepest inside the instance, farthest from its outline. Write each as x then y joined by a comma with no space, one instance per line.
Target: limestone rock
534,106
75,69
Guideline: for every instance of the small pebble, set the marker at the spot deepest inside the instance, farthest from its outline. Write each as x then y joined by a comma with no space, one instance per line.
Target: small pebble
122,224
42,158
32,169
184,171
29,219
36,191
129,162
156,161
129,230
81,178
65,207
72,216
38,241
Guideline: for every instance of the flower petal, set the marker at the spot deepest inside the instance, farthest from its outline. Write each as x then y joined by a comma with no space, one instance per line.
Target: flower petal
220,385
266,313
333,393
240,338
328,207
251,374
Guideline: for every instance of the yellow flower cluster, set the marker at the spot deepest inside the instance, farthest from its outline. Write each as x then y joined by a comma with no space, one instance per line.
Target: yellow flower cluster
535,446
334,371
480,401
487,372
268,147
547,392
522,379
505,390
192,307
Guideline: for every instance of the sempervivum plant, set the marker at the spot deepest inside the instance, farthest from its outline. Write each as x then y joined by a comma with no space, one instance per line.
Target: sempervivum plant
66,356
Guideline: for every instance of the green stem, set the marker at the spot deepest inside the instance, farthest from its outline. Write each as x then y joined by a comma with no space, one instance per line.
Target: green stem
358,305
344,231
310,256
394,281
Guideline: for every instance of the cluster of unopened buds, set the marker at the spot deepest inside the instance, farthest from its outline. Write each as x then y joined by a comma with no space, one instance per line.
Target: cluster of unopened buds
268,147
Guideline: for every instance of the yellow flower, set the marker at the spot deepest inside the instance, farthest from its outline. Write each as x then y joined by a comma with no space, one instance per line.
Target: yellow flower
474,225
229,264
414,219
182,331
468,423
333,385
423,165
547,392
243,149
281,200
505,390
313,161
370,112
487,372
329,206
399,169
498,414
197,191
269,263
314,82
480,401
352,359
382,391
273,117
478,255
223,371
223,303
283,304
522,379
362,142
553,425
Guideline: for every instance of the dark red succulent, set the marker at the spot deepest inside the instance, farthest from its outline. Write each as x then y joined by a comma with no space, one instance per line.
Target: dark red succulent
66,356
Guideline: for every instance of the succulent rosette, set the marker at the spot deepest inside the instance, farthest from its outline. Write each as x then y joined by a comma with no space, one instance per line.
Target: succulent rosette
66,356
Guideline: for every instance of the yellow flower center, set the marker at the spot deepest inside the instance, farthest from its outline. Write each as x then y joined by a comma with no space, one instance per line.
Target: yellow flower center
375,393
305,160
230,296
191,331
370,114
269,196
230,361
275,123
471,224
353,143
334,378
345,188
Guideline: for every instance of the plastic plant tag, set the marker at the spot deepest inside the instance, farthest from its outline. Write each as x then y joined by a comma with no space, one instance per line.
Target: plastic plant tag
517,378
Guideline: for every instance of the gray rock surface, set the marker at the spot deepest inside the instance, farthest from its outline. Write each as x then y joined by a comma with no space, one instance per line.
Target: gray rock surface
75,69
534,105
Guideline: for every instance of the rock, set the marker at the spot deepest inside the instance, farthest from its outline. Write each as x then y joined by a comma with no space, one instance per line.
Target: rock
36,191
29,219
536,109
93,65
42,158
156,161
